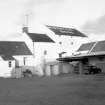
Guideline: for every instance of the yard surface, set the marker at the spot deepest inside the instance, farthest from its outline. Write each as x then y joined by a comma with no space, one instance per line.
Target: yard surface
61,90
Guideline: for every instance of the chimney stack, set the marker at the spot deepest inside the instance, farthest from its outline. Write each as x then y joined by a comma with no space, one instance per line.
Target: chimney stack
25,29
25,26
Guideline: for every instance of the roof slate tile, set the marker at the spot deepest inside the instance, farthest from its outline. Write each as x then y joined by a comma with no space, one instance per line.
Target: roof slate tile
14,48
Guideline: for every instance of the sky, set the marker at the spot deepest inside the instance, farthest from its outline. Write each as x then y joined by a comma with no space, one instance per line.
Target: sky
88,16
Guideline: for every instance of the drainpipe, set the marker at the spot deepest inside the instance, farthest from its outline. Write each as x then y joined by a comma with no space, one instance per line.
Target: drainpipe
33,50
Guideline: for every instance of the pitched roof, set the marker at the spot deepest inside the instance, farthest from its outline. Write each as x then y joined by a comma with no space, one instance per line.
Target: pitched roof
14,48
86,46
99,47
36,37
7,57
95,49
66,31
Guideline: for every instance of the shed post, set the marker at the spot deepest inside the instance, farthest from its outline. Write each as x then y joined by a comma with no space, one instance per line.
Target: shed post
60,67
80,67
51,70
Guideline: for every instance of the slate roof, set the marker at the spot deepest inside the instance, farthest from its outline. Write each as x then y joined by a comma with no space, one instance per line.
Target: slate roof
66,31
7,57
12,48
36,37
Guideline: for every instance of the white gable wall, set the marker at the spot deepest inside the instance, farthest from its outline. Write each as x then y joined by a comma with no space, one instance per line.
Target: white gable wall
28,60
5,70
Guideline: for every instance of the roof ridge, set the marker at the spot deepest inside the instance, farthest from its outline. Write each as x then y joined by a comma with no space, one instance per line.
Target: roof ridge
11,41
36,33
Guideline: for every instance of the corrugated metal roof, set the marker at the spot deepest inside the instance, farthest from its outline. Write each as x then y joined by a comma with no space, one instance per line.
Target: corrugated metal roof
66,31
86,46
14,48
35,37
95,49
99,47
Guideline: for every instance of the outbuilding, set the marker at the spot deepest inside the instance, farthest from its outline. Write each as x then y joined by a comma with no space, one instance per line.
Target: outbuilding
92,53
13,54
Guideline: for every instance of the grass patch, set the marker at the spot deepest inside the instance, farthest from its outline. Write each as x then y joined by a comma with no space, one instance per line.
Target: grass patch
64,90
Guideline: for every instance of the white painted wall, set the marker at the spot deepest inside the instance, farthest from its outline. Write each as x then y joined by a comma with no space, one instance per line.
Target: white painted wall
55,69
28,60
48,70
5,70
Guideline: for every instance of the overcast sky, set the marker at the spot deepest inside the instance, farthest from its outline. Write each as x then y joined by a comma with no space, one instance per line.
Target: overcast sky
86,15
76,13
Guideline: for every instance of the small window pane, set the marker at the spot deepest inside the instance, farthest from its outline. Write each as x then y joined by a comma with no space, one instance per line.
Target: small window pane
10,65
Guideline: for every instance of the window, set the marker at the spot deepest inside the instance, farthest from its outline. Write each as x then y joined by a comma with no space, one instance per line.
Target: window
10,64
24,60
